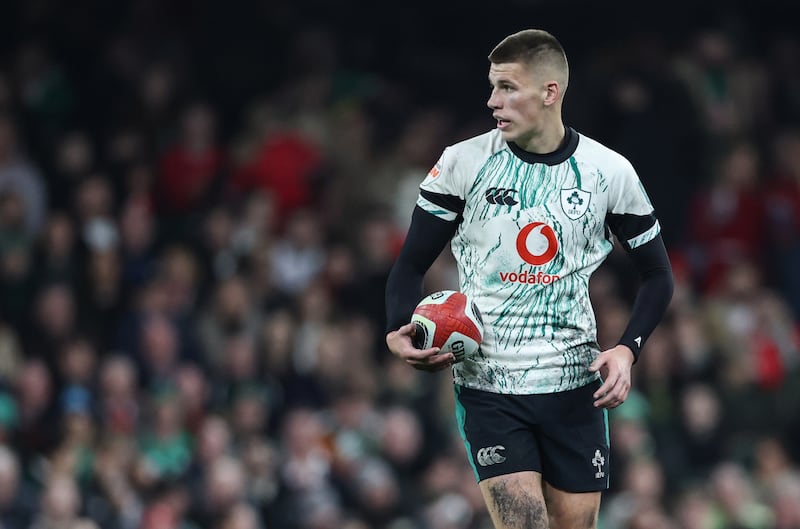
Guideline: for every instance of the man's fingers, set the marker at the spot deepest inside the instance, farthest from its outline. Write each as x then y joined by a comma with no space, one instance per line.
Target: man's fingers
608,384
432,363
607,400
606,393
431,356
614,368
429,359
613,396
401,344
412,353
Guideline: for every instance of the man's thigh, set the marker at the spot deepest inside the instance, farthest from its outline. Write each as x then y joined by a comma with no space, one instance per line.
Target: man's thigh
573,441
523,501
571,510
515,501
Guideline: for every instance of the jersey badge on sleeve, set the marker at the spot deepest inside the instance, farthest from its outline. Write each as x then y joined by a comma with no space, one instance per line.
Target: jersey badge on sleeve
435,170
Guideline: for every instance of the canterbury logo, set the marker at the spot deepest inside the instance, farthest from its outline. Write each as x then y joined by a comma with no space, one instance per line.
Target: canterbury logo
490,455
501,196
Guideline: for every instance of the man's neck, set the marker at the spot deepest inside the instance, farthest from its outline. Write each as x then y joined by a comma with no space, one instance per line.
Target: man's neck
549,140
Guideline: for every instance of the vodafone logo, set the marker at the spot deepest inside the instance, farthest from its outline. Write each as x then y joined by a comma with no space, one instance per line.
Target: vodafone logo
537,243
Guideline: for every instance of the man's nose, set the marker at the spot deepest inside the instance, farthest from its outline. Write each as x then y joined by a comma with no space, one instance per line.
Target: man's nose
494,101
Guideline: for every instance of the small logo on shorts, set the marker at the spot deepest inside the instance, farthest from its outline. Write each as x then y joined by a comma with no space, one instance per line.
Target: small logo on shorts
490,455
598,461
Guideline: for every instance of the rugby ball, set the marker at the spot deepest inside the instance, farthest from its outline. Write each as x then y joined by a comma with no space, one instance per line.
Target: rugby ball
449,320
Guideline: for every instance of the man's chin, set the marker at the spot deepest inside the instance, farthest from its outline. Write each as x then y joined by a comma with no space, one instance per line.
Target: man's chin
507,135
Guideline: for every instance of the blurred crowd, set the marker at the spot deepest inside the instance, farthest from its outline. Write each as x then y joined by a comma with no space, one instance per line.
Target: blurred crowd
199,206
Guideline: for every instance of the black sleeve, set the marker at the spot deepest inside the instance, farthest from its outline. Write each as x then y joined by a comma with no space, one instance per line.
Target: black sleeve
426,238
654,293
627,226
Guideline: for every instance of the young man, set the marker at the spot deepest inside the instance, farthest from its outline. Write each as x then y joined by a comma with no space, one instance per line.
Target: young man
530,208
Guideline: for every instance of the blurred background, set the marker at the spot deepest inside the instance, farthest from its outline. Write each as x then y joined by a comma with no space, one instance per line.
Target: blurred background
200,202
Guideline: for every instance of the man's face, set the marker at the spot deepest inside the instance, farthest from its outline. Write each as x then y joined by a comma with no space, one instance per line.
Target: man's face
517,101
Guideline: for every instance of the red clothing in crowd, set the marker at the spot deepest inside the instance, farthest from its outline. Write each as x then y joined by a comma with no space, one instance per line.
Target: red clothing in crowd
726,226
782,205
185,177
283,167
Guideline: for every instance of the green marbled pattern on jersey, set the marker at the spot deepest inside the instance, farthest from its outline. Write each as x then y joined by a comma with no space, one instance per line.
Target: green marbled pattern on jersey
539,338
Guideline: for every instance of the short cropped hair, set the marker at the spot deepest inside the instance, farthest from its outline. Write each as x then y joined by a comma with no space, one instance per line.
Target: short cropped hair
533,47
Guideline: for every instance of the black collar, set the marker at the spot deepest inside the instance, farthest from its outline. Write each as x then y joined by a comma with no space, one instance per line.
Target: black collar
564,151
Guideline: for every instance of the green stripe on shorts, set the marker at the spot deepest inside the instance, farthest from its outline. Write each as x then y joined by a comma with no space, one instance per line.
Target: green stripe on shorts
461,417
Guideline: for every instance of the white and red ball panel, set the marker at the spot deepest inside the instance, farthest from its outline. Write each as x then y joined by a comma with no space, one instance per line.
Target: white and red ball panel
448,319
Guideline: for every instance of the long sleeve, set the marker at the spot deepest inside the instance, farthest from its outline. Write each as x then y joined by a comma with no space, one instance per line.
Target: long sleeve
654,293
426,238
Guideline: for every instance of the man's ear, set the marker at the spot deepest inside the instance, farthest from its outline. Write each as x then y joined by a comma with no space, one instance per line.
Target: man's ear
552,90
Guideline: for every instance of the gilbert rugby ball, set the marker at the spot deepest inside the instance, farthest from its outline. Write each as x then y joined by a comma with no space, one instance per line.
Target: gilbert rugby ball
449,320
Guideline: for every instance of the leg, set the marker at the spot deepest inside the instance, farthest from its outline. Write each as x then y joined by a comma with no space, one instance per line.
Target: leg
575,451
571,510
515,501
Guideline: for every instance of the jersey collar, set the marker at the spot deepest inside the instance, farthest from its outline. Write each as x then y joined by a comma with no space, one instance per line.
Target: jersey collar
562,154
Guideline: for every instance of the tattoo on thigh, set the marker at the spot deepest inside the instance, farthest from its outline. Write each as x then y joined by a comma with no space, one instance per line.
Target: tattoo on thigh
518,510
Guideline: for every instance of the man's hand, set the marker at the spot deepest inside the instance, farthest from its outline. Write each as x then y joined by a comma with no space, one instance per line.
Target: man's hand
615,367
401,346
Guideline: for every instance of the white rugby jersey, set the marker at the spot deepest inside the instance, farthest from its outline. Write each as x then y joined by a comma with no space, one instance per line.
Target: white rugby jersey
531,230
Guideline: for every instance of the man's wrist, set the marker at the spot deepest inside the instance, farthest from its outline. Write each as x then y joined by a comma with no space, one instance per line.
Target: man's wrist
632,346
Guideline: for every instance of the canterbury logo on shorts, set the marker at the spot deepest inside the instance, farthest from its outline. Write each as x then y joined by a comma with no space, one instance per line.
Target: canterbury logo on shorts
490,455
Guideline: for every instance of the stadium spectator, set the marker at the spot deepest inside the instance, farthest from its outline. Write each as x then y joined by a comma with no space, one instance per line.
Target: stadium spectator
16,509
190,168
21,176
726,219
782,205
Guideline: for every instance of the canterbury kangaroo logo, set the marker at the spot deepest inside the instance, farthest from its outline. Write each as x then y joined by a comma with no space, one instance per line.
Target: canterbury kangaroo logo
501,196
490,455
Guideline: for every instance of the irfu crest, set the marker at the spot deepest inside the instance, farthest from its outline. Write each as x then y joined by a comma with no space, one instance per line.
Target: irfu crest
575,202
